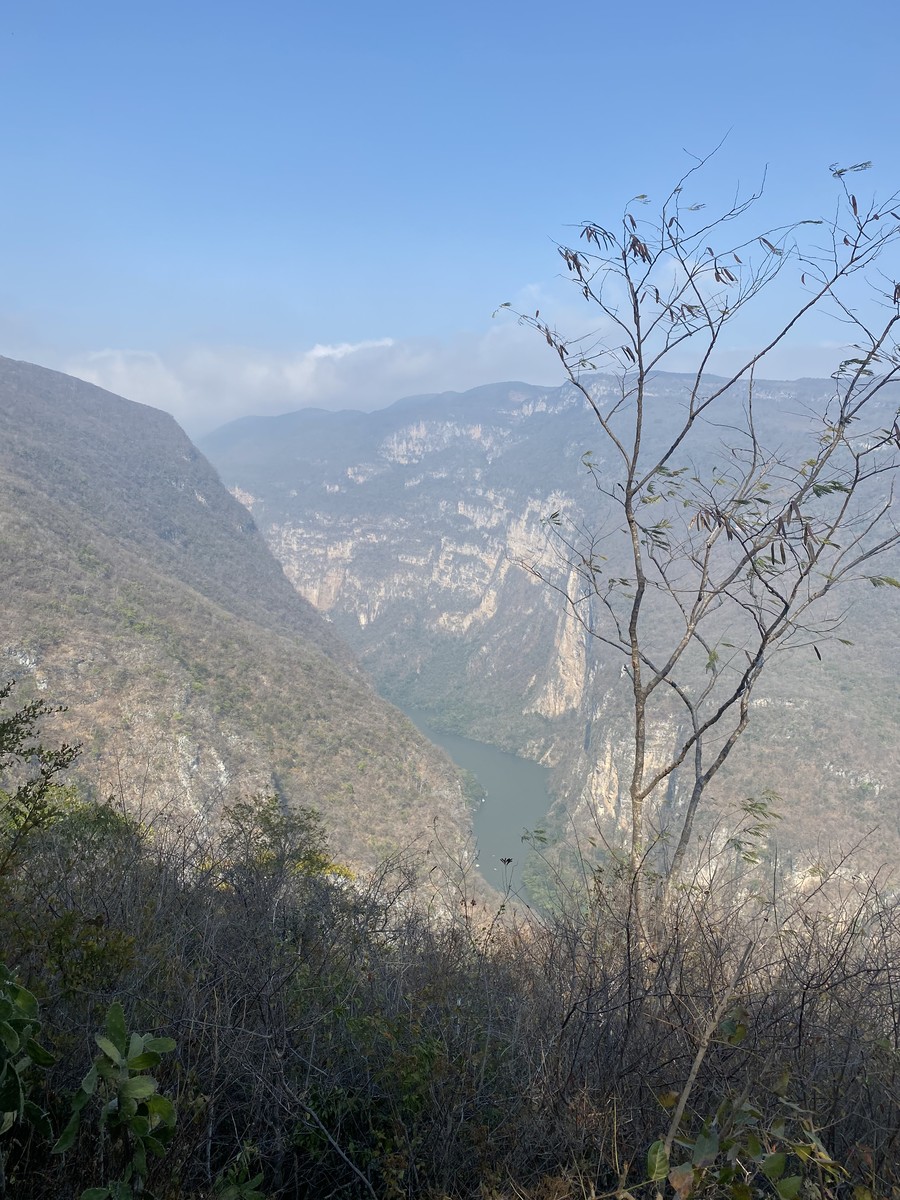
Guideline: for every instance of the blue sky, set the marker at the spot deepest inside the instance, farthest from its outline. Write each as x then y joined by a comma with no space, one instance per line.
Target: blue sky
226,208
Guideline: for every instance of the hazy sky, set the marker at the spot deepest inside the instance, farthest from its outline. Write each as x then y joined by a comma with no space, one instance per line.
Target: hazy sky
221,208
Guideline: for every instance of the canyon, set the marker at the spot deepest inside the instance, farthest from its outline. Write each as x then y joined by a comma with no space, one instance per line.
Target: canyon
422,533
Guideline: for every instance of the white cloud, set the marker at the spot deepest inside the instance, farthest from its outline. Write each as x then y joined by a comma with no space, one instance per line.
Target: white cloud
138,374
206,386
345,348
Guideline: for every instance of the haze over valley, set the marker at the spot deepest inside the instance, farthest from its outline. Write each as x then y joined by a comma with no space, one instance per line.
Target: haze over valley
417,545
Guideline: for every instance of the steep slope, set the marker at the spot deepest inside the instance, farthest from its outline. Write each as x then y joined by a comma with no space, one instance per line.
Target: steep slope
413,527
138,592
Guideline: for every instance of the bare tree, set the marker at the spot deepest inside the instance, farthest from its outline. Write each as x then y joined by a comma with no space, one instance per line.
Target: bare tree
702,567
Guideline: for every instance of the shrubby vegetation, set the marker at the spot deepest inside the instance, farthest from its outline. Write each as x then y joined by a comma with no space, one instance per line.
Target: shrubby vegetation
307,1033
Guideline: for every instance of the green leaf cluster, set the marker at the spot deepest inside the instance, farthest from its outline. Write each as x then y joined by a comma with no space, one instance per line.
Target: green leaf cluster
29,789
20,1051
742,1154
138,1119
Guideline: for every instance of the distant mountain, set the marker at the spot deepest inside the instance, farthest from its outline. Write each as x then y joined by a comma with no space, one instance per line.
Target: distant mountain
137,591
409,526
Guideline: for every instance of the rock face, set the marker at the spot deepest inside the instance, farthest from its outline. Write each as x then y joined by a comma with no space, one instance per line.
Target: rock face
139,593
421,532
410,533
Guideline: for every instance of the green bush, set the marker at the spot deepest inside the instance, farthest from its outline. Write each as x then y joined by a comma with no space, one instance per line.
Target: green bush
135,1118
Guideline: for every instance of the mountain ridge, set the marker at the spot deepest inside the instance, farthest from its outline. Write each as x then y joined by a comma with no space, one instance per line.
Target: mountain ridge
140,594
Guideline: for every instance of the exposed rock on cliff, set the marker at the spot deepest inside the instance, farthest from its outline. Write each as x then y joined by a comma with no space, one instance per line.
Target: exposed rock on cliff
421,532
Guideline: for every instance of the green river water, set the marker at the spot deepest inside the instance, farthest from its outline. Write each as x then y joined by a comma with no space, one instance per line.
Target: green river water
515,800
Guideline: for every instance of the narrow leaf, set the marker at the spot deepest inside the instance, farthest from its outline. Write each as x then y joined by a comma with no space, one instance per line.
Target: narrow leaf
162,1045
115,1027
141,1062
38,1054
9,1037
38,1119
89,1083
66,1139
108,1048
138,1088
24,1001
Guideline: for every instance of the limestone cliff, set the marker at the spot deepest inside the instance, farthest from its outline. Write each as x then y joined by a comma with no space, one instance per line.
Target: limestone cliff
421,532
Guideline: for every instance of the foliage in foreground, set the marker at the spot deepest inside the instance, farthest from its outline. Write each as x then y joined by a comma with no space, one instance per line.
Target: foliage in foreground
308,1034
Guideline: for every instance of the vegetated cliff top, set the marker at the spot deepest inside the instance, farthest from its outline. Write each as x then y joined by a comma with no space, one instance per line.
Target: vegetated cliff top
137,591
502,403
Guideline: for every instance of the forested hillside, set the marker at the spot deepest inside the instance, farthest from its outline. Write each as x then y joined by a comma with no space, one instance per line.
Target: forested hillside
138,592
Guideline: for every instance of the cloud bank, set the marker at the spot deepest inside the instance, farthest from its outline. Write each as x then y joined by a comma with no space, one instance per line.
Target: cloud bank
205,386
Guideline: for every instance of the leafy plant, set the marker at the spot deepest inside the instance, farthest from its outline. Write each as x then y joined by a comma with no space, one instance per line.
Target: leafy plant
738,1153
236,1181
28,776
135,1117
20,1051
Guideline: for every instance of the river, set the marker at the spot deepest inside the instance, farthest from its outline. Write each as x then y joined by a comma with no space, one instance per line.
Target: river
515,800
